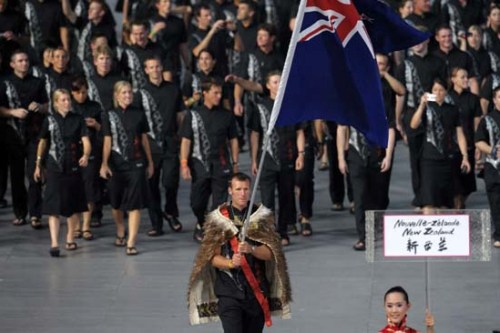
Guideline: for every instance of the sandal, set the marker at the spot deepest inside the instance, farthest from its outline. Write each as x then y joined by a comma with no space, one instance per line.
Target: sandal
77,234
54,251
155,233
173,222
19,221
120,241
87,235
71,246
36,223
305,228
292,229
132,251
359,246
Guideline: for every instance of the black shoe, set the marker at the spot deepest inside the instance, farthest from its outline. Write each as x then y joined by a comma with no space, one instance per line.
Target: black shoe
198,233
359,246
173,222
155,233
54,252
337,207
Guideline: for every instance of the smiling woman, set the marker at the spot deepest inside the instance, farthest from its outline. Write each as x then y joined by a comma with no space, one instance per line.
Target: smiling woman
397,305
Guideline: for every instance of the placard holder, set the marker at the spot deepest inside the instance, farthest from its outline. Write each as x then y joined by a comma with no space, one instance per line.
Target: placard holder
461,235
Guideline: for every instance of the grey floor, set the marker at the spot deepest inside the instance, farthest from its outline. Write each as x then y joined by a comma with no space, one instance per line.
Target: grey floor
99,289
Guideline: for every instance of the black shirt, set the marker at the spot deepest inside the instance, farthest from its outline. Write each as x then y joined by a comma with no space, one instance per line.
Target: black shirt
248,35
449,117
218,44
286,147
50,19
168,102
60,80
104,85
171,37
220,126
469,108
29,89
11,20
269,61
136,70
482,62
492,81
90,109
125,128
482,133
457,58
64,141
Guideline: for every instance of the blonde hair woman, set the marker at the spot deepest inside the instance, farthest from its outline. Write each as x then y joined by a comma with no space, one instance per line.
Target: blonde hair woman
126,162
64,136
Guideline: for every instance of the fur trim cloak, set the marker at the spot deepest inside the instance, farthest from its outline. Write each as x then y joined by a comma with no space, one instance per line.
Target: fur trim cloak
218,229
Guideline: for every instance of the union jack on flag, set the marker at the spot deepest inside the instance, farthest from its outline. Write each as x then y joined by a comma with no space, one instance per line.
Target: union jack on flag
331,73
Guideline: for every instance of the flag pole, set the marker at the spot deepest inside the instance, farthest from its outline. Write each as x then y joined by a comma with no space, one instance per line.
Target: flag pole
275,112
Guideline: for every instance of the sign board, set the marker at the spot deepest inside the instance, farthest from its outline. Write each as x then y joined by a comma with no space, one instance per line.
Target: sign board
426,236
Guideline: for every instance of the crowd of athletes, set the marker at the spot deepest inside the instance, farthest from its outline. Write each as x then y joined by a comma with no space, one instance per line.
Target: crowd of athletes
96,113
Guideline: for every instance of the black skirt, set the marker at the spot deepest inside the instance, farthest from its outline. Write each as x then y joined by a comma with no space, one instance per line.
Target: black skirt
64,194
128,190
436,184
464,183
91,181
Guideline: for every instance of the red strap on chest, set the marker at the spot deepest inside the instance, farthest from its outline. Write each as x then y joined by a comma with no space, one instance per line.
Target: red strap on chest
252,280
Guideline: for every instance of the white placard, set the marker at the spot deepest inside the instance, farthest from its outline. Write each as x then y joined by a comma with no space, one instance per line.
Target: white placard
426,236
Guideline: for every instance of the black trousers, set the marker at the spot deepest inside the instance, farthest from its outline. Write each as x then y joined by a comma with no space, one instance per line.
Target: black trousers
240,316
337,179
166,173
369,187
284,180
213,182
34,188
16,163
4,165
492,182
305,181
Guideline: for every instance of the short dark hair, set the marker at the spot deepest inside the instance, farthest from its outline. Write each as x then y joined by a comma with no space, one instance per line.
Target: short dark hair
207,84
271,74
443,26
138,22
495,91
240,176
270,28
78,83
438,80
18,51
198,9
249,3
397,289
152,57
207,51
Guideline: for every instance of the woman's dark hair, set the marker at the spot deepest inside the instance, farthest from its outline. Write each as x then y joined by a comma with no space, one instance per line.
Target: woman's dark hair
78,83
440,81
397,289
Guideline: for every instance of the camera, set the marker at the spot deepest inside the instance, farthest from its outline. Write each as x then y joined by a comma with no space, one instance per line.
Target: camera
431,97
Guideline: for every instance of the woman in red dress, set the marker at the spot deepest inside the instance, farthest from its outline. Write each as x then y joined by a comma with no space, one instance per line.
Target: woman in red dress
396,305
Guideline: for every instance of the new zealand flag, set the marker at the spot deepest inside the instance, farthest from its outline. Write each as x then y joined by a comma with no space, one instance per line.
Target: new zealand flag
331,72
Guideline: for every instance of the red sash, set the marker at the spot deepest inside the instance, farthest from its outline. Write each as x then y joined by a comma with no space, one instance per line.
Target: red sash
252,281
